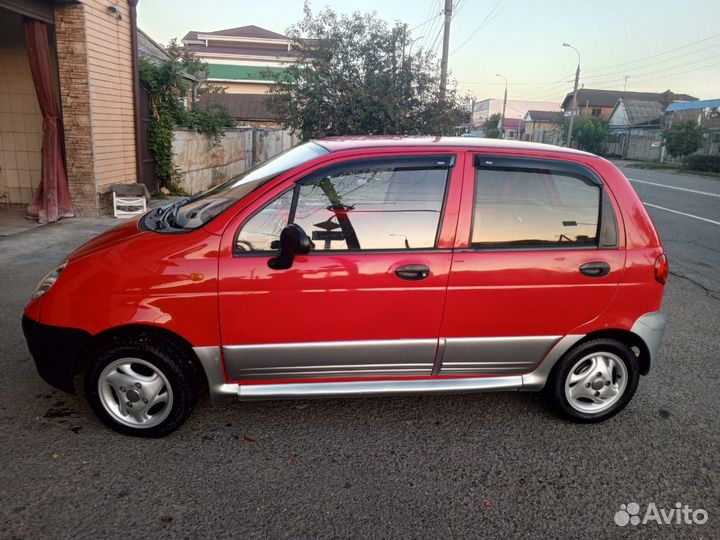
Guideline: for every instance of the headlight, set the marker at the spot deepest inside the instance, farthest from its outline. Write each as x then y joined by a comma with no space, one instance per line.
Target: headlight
48,281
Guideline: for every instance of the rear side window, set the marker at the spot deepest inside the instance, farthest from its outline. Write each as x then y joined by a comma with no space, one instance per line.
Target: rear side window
534,207
367,206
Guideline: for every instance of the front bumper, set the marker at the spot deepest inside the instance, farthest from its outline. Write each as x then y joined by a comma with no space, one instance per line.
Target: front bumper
56,351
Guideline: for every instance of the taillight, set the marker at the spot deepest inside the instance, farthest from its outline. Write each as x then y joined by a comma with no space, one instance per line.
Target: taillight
661,269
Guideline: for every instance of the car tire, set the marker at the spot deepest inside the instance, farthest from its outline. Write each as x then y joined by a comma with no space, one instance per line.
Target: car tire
594,381
144,385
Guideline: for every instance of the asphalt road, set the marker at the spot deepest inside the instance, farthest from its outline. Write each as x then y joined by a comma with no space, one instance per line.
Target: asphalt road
488,465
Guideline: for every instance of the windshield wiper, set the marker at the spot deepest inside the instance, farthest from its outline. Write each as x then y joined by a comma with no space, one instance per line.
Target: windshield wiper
162,213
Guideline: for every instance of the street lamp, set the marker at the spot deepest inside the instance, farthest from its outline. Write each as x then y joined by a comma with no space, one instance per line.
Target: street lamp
502,118
574,100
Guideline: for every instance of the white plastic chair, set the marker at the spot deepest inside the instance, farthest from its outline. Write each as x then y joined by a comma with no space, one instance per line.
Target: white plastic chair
129,200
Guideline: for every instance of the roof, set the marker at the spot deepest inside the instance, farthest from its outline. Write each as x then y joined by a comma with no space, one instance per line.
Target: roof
337,144
223,72
249,31
702,104
512,123
151,49
544,116
247,107
608,98
642,112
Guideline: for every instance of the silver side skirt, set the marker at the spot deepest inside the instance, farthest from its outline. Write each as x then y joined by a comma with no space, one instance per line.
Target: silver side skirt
219,389
375,388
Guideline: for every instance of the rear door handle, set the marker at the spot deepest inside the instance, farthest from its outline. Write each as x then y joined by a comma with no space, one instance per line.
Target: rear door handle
595,269
412,272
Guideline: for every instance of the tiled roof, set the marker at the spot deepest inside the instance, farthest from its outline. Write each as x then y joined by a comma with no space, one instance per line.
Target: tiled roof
250,31
643,112
243,107
608,98
544,116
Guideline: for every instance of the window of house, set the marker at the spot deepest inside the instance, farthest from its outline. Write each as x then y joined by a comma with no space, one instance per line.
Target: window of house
363,208
517,207
596,112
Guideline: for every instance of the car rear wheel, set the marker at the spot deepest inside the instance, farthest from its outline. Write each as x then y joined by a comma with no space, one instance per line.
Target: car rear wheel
594,381
142,386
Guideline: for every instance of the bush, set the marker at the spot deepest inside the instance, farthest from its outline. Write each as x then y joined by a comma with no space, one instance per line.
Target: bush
700,162
683,138
590,133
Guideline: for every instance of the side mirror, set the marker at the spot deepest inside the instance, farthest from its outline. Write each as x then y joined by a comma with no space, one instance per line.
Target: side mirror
293,241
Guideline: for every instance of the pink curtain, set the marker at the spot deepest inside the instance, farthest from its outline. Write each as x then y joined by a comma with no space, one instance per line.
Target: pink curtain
52,199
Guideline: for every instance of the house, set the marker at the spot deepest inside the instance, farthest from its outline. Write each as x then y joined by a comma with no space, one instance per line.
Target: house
239,60
601,103
543,126
706,112
68,107
514,108
635,113
635,128
512,128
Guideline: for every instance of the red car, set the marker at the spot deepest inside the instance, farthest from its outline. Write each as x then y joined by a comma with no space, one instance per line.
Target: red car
365,266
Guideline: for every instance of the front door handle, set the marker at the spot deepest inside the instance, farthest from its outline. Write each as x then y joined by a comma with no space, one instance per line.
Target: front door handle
595,269
412,272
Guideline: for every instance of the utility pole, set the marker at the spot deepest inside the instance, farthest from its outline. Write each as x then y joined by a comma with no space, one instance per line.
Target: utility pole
445,52
502,118
626,80
574,100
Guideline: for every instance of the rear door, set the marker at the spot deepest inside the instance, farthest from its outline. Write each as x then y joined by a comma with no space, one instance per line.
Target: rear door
367,300
537,256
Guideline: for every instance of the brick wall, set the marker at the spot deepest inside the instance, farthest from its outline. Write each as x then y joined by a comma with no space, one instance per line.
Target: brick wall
96,87
75,99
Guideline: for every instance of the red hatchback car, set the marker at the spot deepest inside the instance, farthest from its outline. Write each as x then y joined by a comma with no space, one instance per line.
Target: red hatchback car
365,266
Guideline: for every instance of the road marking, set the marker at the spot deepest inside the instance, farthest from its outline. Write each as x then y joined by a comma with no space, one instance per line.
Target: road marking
682,213
675,187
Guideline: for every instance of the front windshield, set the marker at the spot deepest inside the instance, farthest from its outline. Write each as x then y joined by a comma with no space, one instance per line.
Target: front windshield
199,209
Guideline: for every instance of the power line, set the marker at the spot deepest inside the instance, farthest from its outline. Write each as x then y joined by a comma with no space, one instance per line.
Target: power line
649,66
437,22
458,7
667,69
652,55
425,22
489,17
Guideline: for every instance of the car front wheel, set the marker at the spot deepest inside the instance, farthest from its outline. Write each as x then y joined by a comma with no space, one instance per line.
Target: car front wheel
594,381
142,387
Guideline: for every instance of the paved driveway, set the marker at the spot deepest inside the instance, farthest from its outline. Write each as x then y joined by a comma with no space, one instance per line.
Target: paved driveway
490,465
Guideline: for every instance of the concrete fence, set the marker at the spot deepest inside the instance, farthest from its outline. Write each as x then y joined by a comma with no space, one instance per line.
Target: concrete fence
201,167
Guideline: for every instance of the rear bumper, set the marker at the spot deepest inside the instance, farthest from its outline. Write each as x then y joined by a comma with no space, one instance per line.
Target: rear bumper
651,327
55,350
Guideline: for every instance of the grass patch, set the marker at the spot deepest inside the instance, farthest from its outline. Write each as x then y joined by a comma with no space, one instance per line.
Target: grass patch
654,165
674,167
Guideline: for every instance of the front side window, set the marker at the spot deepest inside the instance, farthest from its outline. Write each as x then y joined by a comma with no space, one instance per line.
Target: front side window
362,208
516,207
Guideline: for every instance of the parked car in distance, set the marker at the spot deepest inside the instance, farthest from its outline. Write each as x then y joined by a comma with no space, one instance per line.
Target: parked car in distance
363,267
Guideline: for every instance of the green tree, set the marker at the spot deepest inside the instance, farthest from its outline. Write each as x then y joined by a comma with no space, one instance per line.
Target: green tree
590,133
492,126
355,76
168,85
683,138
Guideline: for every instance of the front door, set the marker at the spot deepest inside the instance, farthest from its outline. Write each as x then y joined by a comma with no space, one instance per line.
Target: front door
538,257
367,300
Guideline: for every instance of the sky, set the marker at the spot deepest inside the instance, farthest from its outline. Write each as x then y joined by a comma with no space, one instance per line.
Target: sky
658,44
